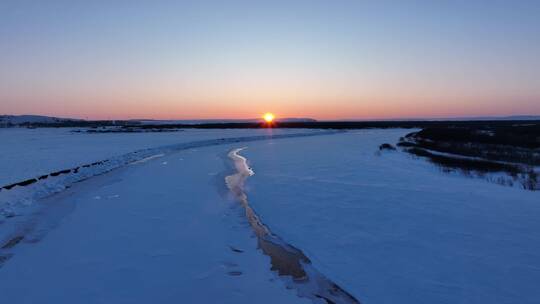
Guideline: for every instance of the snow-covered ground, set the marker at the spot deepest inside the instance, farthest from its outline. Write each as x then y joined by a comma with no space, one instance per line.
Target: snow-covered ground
41,162
392,229
28,153
154,232
386,228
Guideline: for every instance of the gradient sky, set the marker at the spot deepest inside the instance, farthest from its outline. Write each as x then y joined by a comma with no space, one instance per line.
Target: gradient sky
238,59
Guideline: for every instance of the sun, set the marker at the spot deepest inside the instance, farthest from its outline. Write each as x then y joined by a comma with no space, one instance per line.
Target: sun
269,117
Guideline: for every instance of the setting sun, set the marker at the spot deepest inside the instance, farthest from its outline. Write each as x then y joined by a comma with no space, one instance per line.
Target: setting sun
268,117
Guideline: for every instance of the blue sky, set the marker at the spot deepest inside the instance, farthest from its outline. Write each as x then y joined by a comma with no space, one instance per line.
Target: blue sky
237,59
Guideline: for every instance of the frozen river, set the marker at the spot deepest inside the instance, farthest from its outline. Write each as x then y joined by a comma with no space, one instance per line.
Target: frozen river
385,228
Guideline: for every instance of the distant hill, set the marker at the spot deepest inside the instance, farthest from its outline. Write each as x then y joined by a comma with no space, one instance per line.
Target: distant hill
294,119
514,117
463,118
16,120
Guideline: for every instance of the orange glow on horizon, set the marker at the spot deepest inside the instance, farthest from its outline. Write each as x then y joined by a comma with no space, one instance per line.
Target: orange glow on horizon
377,107
269,117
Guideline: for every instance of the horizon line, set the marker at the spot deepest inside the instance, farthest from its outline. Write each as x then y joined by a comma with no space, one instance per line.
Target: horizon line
407,118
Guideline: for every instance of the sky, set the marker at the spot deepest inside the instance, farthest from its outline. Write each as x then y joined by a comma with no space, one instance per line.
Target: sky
239,59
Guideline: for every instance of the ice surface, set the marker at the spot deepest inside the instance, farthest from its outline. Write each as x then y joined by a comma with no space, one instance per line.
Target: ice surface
393,229
150,233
